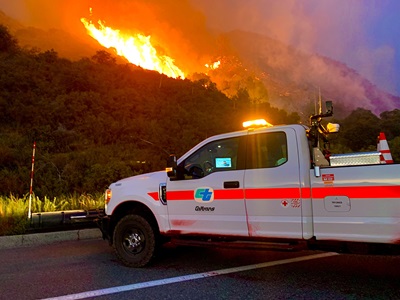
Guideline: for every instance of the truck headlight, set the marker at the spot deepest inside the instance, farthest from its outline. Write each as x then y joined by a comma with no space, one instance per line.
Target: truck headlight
108,195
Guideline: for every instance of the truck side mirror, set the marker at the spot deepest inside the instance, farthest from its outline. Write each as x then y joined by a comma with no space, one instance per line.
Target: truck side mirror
171,167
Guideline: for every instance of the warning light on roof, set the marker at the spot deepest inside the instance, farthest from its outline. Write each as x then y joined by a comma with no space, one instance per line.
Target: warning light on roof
256,123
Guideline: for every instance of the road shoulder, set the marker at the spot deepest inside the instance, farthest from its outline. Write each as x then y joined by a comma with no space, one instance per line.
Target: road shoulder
34,239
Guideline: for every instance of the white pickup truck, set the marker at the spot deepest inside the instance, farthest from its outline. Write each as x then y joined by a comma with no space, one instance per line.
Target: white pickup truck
266,184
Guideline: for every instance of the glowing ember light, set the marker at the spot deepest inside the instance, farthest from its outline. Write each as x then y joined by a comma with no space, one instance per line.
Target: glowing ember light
136,49
213,66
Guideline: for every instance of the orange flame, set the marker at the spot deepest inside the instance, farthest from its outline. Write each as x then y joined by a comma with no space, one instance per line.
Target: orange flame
136,49
214,65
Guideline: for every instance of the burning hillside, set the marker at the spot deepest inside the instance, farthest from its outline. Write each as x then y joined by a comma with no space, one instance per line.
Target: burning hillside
171,37
137,49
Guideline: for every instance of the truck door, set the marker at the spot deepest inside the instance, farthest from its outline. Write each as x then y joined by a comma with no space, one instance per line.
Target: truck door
272,185
209,197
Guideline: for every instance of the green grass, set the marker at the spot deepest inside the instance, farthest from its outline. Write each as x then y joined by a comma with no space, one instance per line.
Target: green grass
14,209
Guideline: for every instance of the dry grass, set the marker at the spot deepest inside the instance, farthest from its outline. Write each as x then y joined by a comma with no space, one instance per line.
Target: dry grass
14,209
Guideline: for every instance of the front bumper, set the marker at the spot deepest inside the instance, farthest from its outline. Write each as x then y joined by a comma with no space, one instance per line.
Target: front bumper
104,223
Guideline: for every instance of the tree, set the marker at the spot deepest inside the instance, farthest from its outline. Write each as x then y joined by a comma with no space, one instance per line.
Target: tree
7,42
394,146
391,123
103,57
360,130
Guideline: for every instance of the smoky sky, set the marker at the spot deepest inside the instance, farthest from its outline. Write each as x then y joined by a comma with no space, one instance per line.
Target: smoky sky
362,34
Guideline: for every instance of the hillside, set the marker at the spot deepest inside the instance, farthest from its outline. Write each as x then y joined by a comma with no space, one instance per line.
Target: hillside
95,120
64,43
269,70
293,78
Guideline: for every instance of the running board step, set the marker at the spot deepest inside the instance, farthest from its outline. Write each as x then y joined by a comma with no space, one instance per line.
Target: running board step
283,246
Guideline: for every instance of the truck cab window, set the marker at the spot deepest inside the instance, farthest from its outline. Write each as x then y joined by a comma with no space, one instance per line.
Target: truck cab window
266,150
216,156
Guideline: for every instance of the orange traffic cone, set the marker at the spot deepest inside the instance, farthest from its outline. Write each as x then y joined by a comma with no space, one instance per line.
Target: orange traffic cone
383,148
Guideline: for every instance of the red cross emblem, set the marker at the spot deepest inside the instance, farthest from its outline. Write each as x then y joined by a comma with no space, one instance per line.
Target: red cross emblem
284,203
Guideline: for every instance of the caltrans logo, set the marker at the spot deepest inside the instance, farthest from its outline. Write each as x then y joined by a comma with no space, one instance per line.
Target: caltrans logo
204,194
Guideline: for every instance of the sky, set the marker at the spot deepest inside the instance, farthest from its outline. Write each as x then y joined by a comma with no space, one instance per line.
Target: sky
363,34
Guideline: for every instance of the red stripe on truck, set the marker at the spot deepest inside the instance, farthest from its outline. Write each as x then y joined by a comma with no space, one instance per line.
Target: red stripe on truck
236,194
272,193
386,191
153,195
291,193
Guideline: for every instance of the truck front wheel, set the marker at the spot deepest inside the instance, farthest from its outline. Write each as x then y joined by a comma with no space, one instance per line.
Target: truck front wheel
134,241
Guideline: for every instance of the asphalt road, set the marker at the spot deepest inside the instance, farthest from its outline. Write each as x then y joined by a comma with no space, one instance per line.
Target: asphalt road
88,269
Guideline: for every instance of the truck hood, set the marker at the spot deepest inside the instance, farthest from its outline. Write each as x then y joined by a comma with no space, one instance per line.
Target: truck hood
159,176
143,188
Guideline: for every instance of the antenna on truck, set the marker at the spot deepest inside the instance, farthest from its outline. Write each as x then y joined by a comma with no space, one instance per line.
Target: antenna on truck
317,129
319,101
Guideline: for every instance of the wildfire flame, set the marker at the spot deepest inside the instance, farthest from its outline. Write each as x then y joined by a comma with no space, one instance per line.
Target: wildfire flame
214,65
136,49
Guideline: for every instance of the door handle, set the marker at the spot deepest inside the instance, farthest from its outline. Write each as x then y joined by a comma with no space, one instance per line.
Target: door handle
231,184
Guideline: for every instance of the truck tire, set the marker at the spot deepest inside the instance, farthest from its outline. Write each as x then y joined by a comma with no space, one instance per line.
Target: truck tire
134,241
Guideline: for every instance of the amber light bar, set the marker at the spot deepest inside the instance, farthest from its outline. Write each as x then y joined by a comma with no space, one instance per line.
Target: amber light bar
256,123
